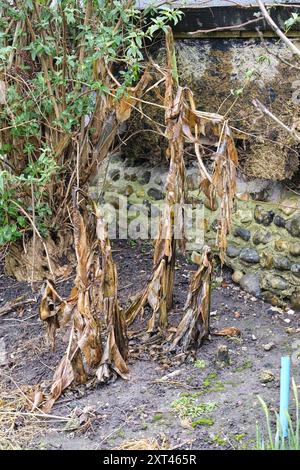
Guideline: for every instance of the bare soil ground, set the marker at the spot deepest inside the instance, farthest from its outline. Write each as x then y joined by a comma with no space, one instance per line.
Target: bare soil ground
198,406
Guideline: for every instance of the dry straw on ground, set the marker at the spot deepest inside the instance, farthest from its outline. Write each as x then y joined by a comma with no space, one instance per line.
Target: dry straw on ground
18,427
144,444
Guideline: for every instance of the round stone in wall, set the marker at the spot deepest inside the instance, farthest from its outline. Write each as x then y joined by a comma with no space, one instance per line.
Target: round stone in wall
263,217
274,282
295,268
242,233
263,195
261,236
279,221
155,193
281,245
281,262
145,177
233,251
114,174
289,206
237,276
130,176
245,216
293,226
250,283
249,255
294,249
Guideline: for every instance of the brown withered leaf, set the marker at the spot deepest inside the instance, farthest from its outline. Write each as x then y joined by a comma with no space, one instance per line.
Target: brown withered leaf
63,377
126,103
194,326
50,307
124,107
86,318
230,331
38,399
159,291
113,360
224,182
50,301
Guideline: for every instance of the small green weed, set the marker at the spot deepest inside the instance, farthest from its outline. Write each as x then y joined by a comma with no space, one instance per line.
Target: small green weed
200,364
187,406
205,421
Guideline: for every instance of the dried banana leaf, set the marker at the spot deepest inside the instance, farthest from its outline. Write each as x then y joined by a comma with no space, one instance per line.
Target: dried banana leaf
194,326
86,318
69,370
113,360
50,307
159,291
224,183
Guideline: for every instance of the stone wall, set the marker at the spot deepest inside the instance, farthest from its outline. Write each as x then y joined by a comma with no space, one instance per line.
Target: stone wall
264,246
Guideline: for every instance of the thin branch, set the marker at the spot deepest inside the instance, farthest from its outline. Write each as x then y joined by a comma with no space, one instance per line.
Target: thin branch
268,113
14,304
277,30
224,28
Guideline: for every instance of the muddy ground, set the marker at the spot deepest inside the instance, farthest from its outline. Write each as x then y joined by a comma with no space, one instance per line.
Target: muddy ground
199,406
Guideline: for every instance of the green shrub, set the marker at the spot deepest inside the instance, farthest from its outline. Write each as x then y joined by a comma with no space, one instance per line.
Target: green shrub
59,64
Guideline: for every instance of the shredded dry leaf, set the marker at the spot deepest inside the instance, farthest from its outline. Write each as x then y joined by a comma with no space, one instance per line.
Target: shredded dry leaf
230,331
194,326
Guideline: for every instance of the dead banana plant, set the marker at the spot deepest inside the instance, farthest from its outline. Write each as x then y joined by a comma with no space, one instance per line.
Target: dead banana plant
224,182
85,348
194,326
220,186
86,314
159,291
92,307
113,360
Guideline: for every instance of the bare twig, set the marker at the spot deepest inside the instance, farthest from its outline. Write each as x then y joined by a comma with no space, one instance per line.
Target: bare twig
34,415
277,30
14,304
268,113
224,28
